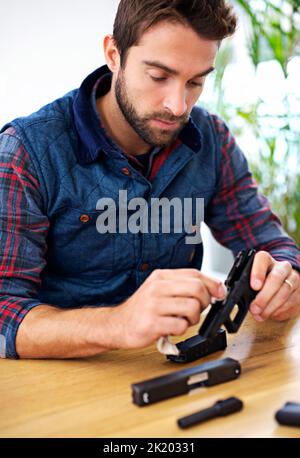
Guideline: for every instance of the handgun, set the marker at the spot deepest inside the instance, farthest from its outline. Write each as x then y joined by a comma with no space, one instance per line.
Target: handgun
211,336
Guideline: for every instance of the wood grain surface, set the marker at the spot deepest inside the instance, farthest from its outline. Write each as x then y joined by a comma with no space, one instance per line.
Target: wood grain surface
92,397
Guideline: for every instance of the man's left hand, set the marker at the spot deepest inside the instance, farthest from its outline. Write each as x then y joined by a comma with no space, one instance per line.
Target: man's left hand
279,288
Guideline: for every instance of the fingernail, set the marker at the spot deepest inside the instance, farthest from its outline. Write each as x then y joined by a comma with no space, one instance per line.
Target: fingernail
257,284
258,318
255,309
222,291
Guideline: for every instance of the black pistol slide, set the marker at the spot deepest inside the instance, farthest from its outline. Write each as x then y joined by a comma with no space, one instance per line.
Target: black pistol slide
184,381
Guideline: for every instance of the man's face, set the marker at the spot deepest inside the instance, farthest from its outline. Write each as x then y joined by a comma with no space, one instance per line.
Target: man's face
162,80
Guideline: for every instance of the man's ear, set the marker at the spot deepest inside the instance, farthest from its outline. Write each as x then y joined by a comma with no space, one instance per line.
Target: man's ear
111,53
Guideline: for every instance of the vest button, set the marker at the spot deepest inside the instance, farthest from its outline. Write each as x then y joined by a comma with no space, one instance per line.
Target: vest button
145,267
126,171
84,218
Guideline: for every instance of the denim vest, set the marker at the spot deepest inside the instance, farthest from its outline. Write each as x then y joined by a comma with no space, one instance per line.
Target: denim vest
76,165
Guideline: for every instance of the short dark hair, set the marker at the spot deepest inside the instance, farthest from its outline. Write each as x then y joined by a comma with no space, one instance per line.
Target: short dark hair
211,19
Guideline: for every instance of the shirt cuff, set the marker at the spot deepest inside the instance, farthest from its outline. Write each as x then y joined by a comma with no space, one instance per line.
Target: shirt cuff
13,313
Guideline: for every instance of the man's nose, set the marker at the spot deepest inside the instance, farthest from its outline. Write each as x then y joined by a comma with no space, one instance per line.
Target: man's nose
175,102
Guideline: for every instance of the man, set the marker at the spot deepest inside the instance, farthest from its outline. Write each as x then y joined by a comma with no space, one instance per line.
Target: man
132,126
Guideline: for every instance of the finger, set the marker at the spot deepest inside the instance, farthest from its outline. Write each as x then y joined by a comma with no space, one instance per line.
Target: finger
291,312
170,326
215,287
193,288
284,301
293,281
262,264
290,309
282,317
279,300
272,285
175,273
188,308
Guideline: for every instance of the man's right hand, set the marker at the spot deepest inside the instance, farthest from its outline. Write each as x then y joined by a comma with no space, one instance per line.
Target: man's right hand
167,303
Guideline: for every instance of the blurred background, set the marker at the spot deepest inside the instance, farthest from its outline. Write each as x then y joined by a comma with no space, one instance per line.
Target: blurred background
48,48
256,89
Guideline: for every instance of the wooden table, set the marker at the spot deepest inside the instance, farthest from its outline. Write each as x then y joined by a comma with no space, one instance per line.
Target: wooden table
92,397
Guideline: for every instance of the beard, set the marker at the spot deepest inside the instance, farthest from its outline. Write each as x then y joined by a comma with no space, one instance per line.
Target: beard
140,124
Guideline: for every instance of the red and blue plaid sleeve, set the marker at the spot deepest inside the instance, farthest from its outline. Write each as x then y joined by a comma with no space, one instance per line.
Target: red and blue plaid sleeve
23,230
238,215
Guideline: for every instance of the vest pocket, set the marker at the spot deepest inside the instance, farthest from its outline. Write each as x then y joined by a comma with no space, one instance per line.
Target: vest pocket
76,247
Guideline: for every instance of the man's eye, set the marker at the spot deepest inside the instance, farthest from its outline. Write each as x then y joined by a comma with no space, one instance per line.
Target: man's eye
194,84
158,78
